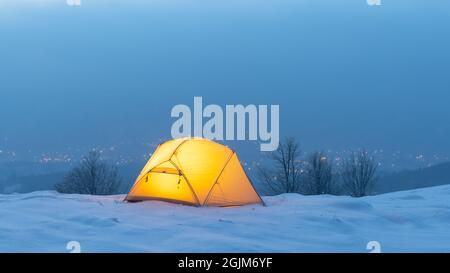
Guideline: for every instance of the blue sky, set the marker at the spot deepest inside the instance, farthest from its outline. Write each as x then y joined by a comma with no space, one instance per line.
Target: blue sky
345,74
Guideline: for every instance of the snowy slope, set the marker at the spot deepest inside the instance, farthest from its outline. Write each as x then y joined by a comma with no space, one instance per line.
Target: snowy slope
417,220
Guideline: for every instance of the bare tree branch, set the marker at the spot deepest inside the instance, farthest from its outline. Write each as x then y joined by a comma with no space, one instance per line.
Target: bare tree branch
359,173
286,174
92,176
319,175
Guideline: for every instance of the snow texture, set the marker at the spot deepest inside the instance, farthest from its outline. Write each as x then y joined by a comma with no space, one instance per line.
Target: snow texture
409,221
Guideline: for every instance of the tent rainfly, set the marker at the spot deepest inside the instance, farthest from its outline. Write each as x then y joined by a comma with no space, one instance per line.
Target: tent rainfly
194,171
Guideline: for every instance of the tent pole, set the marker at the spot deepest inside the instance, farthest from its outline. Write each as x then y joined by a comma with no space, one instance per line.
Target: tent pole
217,179
187,181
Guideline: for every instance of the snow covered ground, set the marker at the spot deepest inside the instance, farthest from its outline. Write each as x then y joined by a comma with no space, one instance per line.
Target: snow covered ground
417,220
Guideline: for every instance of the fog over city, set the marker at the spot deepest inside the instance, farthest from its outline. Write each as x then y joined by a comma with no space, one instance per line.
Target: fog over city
106,75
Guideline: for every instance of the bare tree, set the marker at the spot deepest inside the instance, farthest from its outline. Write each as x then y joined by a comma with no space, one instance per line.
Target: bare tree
92,176
359,173
286,174
319,175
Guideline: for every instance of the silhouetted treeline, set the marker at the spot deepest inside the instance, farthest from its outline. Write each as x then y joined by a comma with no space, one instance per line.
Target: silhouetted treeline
316,173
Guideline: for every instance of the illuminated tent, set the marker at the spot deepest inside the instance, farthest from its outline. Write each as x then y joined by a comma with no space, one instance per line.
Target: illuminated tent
197,172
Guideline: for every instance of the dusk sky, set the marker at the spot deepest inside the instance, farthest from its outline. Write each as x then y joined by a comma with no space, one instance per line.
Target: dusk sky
345,74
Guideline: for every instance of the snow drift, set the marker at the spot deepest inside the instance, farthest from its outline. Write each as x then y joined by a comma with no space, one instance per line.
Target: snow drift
409,221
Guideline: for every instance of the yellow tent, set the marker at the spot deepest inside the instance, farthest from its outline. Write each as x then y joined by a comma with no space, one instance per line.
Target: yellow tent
197,172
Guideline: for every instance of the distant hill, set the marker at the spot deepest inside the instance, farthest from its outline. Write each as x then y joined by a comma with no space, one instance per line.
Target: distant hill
39,182
129,174
411,179
403,180
24,168
30,183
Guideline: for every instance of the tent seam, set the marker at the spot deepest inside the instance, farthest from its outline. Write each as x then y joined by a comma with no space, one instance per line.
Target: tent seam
253,186
187,181
168,160
217,179
176,149
140,175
